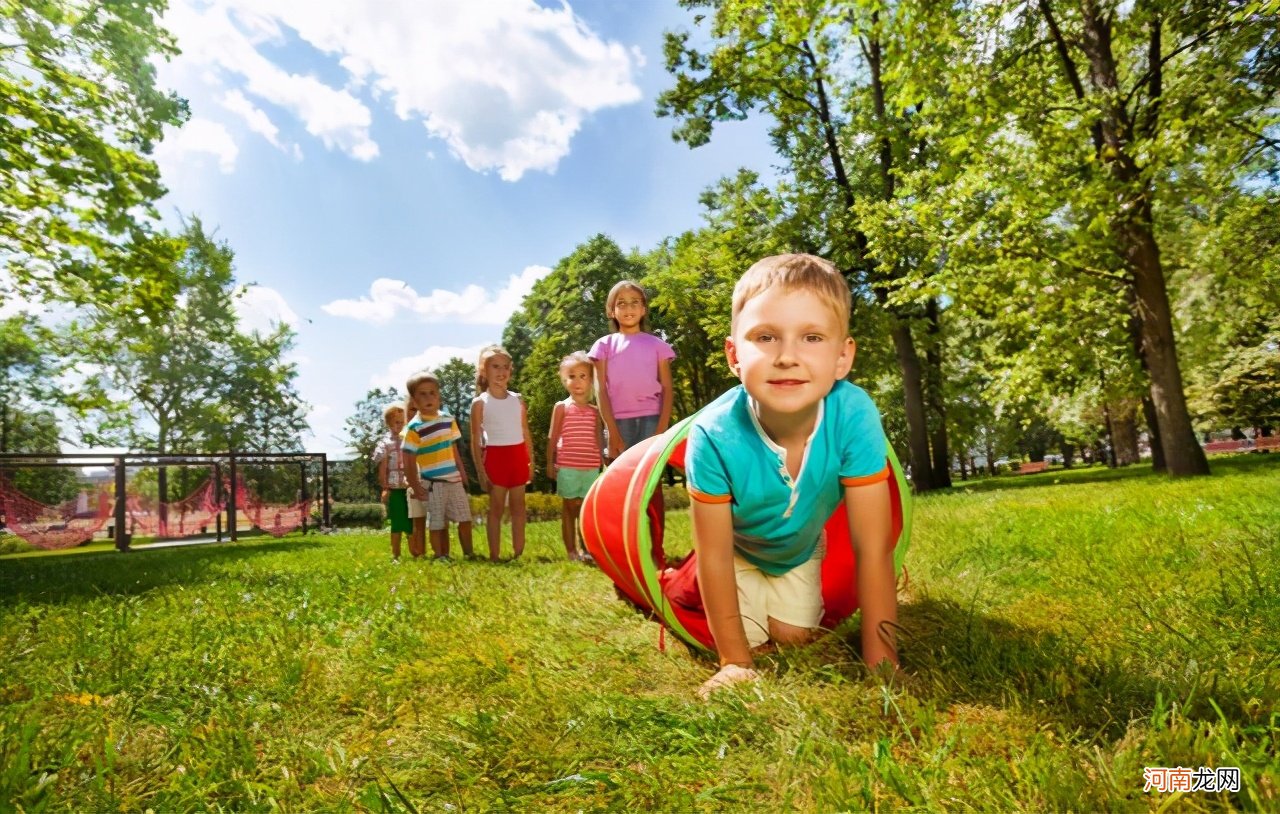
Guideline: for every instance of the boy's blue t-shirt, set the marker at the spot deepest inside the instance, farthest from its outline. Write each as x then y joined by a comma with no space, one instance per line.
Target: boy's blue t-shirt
777,522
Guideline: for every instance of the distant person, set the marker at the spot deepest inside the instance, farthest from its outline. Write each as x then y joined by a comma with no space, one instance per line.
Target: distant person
501,447
574,447
391,476
431,439
633,368
770,460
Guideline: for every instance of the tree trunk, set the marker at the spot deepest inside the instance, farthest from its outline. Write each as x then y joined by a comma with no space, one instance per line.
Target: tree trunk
1135,235
913,396
990,453
1068,455
937,404
1124,431
1182,455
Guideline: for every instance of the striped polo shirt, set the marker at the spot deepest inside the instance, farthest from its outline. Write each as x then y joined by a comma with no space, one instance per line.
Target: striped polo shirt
430,439
579,446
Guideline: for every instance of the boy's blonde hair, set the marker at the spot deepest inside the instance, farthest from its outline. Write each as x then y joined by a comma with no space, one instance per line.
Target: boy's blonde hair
795,272
578,357
394,407
415,380
482,381
618,288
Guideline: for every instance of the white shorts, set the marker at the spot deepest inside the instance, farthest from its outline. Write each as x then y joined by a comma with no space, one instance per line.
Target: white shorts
417,508
447,503
793,598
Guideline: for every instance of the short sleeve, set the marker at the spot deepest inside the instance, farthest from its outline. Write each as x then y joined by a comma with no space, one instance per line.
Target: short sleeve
454,432
863,451
665,352
381,451
411,440
705,471
602,349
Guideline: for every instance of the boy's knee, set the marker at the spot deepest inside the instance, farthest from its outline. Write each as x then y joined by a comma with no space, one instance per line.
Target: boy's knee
786,635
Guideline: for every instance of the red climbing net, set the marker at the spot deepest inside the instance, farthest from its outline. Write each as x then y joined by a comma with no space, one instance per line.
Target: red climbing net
61,526
276,519
181,518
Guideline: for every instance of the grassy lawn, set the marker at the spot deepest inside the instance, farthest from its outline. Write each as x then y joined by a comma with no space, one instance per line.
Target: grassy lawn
1064,631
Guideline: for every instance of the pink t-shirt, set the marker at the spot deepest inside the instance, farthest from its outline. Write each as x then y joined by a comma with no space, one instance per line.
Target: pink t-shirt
632,372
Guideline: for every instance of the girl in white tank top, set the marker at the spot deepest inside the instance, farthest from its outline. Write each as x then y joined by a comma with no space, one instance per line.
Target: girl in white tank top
501,447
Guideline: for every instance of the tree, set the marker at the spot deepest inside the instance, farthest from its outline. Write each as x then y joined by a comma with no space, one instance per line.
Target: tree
365,428
36,431
564,312
81,116
818,70
28,366
192,381
1088,122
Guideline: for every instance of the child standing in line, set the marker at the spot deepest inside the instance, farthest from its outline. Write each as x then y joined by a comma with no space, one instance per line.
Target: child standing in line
501,447
771,459
432,440
417,493
391,476
634,371
574,446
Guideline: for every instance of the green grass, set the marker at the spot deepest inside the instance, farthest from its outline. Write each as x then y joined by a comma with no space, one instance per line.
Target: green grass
1063,631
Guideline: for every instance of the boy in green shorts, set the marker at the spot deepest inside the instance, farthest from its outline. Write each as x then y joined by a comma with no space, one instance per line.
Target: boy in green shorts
391,475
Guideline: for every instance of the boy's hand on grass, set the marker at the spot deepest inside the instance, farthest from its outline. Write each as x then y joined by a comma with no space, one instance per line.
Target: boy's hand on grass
729,674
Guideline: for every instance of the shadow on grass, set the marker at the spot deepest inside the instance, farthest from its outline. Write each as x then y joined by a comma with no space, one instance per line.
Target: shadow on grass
1223,465
965,657
54,580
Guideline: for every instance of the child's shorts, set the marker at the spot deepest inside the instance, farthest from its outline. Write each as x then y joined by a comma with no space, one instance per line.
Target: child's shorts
398,510
507,466
417,508
447,503
794,598
572,484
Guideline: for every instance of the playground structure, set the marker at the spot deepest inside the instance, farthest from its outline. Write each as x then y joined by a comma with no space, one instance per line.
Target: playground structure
224,492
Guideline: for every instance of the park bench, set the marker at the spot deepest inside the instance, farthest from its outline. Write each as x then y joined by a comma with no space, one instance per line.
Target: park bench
1226,446
1032,467
1269,442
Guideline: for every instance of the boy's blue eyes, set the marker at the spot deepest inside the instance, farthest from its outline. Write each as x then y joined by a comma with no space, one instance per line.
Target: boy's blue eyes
772,337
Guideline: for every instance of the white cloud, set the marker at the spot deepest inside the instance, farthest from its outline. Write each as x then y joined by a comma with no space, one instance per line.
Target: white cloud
254,118
198,137
220,43
262,309
505,84
399,371
389,298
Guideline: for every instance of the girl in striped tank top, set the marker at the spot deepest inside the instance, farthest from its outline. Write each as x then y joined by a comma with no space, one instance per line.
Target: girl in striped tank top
574,445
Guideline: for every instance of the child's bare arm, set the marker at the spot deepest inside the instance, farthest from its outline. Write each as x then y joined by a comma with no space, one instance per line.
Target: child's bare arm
477,435
606,408
668,396
528,436
713,536
553,437
457,461
409,462
870,525
713,539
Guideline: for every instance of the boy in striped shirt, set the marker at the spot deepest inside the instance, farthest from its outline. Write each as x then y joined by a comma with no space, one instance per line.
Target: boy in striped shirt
434,466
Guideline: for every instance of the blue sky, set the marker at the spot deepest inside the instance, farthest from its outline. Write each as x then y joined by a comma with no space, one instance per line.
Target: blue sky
394,175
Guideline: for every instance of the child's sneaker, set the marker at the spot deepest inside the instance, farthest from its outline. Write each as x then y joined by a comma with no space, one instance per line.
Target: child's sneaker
443,559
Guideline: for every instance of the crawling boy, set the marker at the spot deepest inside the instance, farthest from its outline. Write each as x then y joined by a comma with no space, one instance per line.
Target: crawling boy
771,459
